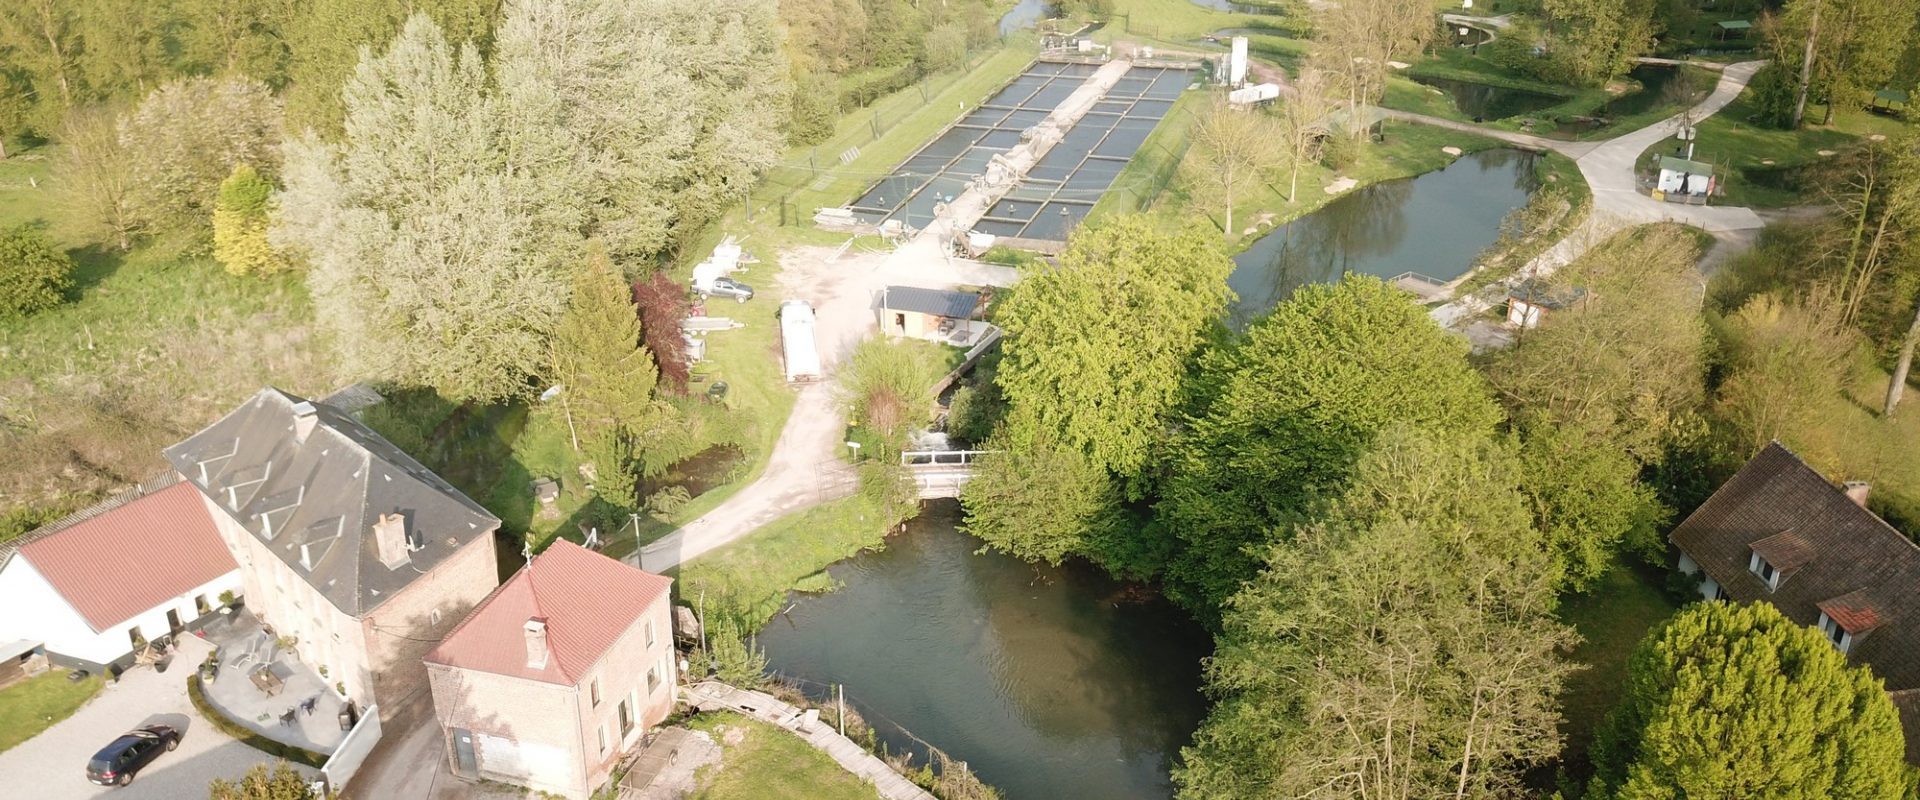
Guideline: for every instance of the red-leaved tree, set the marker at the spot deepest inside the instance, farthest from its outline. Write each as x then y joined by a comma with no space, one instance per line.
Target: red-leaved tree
662,303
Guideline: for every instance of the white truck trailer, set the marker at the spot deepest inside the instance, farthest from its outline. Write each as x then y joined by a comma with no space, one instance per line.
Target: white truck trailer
802,352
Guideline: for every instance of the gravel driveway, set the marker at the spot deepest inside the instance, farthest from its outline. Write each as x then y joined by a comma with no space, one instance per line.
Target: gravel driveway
52,766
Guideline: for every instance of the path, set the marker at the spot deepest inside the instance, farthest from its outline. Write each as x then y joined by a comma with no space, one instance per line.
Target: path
1618,203
1570,149
855,759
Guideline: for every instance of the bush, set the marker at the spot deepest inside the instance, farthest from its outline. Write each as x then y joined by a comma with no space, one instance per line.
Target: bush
1339,152
34,275
246,735
240,224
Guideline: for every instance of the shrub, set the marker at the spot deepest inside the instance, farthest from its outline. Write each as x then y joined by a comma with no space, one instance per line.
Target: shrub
246,735
34,275
1339,152
240,224
187,136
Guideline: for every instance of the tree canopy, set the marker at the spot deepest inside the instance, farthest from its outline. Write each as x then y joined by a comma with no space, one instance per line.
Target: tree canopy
1739,701
1299,401
34,275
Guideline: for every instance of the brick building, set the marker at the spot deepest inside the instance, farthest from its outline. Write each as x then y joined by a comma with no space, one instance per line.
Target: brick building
557,673
347,545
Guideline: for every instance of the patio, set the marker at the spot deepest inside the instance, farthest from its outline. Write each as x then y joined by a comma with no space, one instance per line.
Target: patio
266,687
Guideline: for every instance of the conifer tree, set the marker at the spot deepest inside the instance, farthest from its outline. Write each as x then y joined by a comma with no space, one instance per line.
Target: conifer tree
240,224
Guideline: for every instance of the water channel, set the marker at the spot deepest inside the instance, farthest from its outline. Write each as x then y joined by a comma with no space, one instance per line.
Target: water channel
1024,14
1434,224
1049,683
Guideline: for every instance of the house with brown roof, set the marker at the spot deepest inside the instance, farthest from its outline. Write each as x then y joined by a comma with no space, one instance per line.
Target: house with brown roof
557,673
349,547
1780,532
97,585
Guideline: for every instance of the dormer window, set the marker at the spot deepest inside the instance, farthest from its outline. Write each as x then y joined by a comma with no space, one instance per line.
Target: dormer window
1765,571
1840,637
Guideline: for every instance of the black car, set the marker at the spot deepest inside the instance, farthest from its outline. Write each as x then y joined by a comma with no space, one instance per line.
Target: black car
116,763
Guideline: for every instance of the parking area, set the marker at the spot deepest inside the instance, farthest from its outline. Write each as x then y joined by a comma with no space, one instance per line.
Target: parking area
52,766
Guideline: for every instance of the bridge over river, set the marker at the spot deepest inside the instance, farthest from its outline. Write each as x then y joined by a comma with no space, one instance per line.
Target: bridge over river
940,473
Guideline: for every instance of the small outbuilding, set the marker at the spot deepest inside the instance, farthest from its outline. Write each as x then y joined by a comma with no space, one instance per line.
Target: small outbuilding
936,315
1679,176
1889,100
1732,29
1530,300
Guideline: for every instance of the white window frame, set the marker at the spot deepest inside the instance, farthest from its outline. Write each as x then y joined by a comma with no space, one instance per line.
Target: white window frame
593,693
602,731
649,633
1764,570
1839,637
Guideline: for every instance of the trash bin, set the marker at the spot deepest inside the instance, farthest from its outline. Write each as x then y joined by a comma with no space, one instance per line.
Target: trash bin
347,717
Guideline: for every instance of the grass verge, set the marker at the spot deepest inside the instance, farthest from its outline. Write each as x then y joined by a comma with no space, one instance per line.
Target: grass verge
37,703
765,763
750,578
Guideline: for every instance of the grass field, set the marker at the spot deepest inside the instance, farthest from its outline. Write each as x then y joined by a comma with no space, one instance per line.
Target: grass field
1612,618
1759,162
766,763
35,704
750,577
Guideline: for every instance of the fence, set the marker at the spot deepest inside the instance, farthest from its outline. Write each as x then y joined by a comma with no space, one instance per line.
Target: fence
892,738
353,750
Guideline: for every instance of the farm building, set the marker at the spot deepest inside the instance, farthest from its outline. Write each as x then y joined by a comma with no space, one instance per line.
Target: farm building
936,315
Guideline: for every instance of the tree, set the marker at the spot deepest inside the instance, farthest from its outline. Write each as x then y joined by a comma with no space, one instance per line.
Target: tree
1359,40
1403,646
598,357
1739,701
423,261
1303,124
42,38
187,137
1843,50
16,105
662,302
946,46
34,275
282,783
1902,366
1300,399
240,215
1096,349
1037,500
1234,148
222,37
1595,41
92,178
888,390
1784,367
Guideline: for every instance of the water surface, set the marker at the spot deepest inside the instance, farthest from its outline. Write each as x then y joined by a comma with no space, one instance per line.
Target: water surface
1050,683
1024,14
1483,102
1434,224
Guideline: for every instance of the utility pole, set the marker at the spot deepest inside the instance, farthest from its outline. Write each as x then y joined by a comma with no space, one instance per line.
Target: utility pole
1806,67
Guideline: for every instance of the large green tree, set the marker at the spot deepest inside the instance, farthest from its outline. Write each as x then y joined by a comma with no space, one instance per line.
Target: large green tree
1402,646
1841,51
1298,402
608,378
1593,41
1097,348
1739,701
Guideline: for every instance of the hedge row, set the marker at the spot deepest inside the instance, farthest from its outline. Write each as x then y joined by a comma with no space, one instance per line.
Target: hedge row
247,736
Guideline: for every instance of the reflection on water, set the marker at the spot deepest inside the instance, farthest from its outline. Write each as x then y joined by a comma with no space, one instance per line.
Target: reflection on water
1050,683
1024,14
1434,224
1482,102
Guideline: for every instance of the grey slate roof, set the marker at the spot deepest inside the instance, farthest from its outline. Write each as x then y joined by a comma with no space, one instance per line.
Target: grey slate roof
319,498
1832,552
938,302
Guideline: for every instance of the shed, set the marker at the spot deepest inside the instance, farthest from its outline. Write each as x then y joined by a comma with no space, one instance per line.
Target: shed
1731,29
936,315
1530,300
1680,176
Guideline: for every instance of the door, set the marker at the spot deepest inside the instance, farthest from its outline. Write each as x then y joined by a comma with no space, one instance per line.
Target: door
173,621
463,753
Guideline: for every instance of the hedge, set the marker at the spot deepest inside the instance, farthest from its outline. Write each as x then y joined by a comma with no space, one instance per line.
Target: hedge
247,736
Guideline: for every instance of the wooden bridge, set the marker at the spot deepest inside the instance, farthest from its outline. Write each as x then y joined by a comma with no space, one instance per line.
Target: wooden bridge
940,473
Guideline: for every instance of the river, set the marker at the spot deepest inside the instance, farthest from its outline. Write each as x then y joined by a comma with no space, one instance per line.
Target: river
1049,683
1434,224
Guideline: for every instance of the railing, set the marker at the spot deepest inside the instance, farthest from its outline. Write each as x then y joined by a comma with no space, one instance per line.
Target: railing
1415,276
943,458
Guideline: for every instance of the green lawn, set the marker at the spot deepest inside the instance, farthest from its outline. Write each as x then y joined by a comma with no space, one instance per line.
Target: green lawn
750,577
35,704
1177,23
1757,161
1611,619
767,763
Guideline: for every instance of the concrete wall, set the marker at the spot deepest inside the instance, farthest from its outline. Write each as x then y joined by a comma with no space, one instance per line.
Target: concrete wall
352,751
400,631
35,611
555,731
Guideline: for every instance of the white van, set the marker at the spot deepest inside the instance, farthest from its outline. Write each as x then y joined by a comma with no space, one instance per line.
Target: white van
797,341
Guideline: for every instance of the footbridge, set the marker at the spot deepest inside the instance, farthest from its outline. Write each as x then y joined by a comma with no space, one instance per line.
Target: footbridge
940,473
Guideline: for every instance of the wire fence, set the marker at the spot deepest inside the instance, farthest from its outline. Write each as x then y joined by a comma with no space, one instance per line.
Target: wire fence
892,739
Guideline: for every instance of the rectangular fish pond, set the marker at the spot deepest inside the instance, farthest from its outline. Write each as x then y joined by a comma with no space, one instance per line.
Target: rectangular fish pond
1069,179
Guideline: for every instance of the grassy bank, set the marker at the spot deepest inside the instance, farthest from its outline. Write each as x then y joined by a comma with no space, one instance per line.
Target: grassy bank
1761,165
761,762
35,704
750,578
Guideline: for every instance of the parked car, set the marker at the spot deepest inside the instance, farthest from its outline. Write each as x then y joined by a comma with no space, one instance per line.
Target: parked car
117,763
728,287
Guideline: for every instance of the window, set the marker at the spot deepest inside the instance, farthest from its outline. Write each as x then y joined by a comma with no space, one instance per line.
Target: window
433,617
603,740
649,633
626,719
1839,636
593,691
653,678
1759,566
200,605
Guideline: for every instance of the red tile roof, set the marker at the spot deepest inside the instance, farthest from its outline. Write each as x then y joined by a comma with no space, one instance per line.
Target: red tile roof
1856,611
127,560
587,599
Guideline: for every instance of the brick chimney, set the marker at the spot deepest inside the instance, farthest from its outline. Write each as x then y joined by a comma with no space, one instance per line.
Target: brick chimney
537,652
1857,492
305,417
390,540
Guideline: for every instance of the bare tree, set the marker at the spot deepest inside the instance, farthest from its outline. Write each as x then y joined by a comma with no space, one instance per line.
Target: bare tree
1233,146
92,177
1897,385
1303,123
1360,39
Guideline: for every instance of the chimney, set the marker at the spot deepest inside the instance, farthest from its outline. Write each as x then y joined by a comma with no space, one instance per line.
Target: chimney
536,629
305,416
1857,492
390,540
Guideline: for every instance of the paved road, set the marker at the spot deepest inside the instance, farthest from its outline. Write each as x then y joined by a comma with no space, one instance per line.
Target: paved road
52,766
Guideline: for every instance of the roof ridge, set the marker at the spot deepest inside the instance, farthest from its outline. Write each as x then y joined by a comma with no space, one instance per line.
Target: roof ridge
540,610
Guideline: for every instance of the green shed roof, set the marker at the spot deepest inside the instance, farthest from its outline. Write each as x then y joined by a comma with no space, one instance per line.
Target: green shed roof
1735,24
1890,96
1682,165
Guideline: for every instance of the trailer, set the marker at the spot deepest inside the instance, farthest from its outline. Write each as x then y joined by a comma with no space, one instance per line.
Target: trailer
802,353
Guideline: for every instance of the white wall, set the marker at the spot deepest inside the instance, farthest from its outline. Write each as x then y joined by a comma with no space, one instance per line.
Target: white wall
35,611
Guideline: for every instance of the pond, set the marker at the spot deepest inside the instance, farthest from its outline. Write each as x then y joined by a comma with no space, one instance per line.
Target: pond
1657,83
1482,102
1434,224
1024,14
1241,8
1049,683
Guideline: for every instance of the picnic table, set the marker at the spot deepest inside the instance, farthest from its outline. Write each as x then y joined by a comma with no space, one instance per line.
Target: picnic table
264,679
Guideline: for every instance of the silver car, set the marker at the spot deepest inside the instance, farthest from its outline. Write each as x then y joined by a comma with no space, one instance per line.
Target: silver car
728,287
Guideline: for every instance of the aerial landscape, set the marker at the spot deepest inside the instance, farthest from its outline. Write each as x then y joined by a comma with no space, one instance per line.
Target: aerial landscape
959,400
